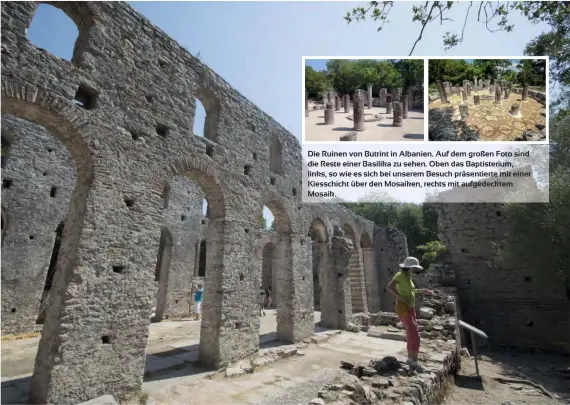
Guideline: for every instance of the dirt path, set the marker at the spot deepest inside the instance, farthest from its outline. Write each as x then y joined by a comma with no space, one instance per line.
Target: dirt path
541,369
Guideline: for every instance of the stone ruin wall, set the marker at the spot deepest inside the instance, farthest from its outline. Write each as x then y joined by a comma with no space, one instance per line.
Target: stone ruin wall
521,306
129,137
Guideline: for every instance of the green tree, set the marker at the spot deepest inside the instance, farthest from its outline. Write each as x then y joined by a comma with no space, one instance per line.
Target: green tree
430,252
262,222
316,82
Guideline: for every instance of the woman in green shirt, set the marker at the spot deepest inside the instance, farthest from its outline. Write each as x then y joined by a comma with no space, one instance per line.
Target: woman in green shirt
403,288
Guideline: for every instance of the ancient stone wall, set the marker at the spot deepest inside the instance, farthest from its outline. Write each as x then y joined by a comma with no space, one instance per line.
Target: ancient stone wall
513,305
124,109
38,176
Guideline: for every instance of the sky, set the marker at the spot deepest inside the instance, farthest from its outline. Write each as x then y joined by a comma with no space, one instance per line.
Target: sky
258,47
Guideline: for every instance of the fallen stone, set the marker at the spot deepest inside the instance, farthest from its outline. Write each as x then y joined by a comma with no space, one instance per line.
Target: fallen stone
426,313
346,365
102,400
393,336
316,401
374,332
316,339
287,352
234,372
380,383
352,328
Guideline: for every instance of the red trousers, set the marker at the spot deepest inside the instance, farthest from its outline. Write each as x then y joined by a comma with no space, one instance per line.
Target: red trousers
411,326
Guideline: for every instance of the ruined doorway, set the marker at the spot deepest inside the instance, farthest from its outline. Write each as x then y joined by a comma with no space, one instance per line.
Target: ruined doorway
356,274
267,269
371,279
319,238
161,273
202,259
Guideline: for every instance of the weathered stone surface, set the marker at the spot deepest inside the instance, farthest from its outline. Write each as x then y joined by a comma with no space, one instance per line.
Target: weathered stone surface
102,400
346,103
358,113
127,136
398,117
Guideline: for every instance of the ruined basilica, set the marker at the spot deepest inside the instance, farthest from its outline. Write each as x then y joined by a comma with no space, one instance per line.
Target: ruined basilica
102,223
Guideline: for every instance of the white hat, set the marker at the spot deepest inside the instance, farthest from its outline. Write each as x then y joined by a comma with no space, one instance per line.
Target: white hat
411,262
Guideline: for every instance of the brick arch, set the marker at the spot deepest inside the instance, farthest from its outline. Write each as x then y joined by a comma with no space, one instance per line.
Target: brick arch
275,203
204,174
57,115
85,15
348,230
365,241
318,229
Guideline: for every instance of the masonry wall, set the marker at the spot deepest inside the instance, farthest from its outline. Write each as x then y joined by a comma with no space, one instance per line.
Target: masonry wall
515,306
38,176
124,109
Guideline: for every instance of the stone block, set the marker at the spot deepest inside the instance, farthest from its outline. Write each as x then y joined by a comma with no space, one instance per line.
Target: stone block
102,400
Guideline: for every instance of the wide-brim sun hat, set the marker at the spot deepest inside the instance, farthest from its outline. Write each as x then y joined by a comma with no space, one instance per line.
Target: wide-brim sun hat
411,263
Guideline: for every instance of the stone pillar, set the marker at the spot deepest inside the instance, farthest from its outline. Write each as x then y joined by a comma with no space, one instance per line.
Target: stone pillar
329,114
515,110
498,95
306,105
358,113
382,96
525,92
337,103
464,94
369,95
346,103
330,97
336,300
468,89
397,95
389,108
442,94
475,81
476,100
507,92
405,106
464,111
398,120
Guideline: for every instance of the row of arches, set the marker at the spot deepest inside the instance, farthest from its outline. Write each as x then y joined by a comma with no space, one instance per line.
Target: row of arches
51,21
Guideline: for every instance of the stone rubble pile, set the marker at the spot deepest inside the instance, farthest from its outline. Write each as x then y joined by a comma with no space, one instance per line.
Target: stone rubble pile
389,380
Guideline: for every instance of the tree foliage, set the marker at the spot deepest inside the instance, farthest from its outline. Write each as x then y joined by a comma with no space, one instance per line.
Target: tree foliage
431,251
345,76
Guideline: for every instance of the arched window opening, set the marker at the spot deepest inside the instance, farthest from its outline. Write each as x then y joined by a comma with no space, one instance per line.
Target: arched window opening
199,119
52,30
266,220
205,209
275,155
207,115
165,196
268,268
202,260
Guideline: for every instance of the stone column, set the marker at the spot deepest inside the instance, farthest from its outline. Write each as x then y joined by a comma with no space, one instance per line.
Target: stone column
475,81
336,300
398,120
476,100
464,94
397,94
442,94
329,114
382,96
369,95
525,92
464,111
306,105
515,110
358,113
507,92
405,106
389,108
337,103
498,98
330,97
491,89
468,89
346,103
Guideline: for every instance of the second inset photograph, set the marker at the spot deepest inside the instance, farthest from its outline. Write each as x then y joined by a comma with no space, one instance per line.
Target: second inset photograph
364,100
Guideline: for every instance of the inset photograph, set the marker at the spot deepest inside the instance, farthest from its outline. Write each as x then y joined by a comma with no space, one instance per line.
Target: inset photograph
487,99
364,100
